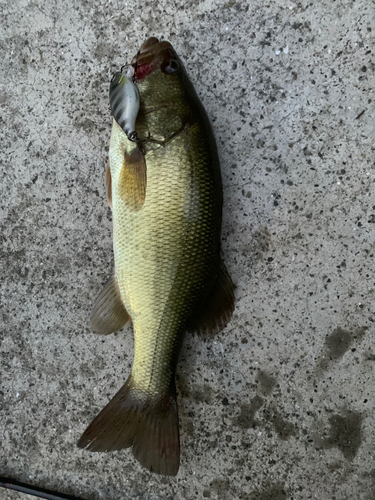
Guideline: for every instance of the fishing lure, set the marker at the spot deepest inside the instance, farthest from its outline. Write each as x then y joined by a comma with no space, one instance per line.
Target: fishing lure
124,103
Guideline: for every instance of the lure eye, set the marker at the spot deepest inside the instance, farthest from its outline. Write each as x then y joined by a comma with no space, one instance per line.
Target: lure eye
170,67
133,136
116,79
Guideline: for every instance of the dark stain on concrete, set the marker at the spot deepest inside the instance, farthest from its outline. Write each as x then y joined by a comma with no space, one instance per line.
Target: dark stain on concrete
189,428
102,50
345,434
265,382
270,492
246,418
182,385
335,466
85,124
258,245
202,394
221,488
283,428
338,343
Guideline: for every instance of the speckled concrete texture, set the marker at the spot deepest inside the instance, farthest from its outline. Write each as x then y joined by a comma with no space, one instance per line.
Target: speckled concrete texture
14,495
280,405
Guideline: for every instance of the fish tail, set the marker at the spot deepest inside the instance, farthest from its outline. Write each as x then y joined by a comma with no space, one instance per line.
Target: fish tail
146,422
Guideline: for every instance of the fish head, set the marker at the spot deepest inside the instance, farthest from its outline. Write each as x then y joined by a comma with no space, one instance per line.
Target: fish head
167,97
154,57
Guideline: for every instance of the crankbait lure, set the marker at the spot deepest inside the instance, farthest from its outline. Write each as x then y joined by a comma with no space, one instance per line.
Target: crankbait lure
124,103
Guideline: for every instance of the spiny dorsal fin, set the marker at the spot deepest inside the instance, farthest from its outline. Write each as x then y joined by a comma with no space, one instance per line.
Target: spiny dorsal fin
108,184
108,312
133,179
216,310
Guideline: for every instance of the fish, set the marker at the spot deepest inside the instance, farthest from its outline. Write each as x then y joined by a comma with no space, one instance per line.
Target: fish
169,277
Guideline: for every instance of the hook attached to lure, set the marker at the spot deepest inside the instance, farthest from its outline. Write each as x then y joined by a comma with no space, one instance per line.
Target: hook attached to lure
124,103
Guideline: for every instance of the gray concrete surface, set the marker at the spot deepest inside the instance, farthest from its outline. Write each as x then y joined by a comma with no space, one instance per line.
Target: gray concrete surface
281,404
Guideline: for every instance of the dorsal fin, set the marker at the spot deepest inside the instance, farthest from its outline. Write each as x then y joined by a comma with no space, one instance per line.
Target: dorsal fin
216,310
108,184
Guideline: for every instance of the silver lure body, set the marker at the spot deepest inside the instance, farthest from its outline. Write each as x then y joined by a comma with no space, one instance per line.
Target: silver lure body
124,103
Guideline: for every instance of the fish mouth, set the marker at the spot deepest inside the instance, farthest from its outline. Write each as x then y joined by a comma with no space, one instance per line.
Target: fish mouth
152,55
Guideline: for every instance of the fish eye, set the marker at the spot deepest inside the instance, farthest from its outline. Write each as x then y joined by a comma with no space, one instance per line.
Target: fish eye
170,67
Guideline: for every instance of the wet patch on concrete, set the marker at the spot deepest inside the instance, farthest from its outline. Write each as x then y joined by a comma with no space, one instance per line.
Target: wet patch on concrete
337,344
345,434
270,492
246,418
283,428
202,394
221,487
265,382
258,245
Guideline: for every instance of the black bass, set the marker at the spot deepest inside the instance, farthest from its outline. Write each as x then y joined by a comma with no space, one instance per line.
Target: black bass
164,187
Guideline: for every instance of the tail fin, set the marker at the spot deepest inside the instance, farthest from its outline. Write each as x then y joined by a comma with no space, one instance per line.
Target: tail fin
147,423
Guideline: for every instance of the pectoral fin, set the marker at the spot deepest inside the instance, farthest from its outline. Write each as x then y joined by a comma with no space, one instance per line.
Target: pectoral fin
108,312
133,179
216,310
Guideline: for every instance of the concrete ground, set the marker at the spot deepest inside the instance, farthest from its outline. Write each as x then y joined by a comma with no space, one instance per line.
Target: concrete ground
280,405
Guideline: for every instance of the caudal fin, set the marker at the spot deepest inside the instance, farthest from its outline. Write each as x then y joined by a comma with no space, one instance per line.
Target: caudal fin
147,423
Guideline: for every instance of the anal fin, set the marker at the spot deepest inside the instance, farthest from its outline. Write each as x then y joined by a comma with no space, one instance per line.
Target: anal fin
216,310
108,312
